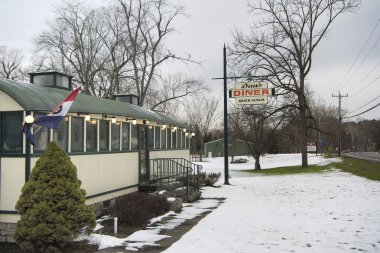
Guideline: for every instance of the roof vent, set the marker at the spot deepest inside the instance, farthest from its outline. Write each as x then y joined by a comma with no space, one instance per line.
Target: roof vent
51,78
127,98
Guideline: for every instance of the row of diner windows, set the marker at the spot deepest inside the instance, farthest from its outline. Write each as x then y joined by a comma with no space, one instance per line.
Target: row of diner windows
93,136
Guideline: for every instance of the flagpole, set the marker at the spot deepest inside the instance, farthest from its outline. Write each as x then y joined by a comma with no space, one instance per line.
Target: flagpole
27,157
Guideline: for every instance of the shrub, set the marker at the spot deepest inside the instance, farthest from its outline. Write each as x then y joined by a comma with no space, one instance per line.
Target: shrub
202,179
196,181
240,160
212,178
52,205
138,208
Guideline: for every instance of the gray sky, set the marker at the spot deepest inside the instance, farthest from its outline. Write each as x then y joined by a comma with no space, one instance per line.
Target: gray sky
208,26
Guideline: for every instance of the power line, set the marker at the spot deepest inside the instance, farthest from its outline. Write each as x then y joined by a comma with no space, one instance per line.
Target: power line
364,105
363,112
360,52
365,77
372,82
357,69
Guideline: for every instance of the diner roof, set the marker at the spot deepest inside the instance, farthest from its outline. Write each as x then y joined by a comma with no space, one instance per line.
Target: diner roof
33,97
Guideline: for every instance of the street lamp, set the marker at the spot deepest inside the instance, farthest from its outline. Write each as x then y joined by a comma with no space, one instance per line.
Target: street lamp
29,119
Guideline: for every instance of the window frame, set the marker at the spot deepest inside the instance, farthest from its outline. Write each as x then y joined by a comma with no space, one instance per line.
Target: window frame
107,148
112,132
20,133
71,135
35,115
67,134
95,148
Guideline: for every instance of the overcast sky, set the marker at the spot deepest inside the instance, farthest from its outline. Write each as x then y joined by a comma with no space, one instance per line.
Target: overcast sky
209,25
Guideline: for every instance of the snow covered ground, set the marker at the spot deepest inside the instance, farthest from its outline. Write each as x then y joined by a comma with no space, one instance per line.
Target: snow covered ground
328,212
332,212
267,161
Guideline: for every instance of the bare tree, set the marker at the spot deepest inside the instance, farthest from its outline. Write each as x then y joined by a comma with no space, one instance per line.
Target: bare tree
148,23
10,63
117,70
282,43
202,114
74,44
257,126
173,91
117,49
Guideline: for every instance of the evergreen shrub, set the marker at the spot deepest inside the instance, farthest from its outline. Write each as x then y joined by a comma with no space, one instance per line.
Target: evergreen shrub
52,205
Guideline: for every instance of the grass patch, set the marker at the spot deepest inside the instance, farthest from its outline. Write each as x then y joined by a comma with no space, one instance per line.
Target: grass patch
290,170
358,167
362,168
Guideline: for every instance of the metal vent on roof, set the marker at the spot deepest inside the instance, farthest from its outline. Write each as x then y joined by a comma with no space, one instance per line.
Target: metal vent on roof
51,78
127,98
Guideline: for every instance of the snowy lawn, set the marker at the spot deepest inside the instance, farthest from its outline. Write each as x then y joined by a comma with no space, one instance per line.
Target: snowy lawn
327,212
268,161
331,211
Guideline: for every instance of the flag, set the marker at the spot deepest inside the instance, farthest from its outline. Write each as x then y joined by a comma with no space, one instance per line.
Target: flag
28,133
53,119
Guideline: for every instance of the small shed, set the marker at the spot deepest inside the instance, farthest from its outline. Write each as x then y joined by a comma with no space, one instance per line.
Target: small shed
235,147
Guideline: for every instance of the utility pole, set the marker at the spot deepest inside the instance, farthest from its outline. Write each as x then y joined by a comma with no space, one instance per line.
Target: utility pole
226,171
339,96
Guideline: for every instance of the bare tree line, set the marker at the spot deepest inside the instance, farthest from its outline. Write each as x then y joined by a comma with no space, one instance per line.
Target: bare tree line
10,63
115,49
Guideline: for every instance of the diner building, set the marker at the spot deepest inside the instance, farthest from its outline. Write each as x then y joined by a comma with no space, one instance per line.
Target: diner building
112,142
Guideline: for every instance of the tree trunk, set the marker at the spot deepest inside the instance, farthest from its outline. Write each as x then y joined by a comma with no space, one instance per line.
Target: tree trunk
303,129
257,162
233,150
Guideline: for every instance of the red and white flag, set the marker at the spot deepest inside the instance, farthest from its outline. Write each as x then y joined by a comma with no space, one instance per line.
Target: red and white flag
53,119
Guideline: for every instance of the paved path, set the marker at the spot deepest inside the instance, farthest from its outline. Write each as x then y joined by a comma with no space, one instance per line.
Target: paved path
370,156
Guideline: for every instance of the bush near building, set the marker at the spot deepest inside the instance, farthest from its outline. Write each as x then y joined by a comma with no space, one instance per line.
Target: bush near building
52,205
136,209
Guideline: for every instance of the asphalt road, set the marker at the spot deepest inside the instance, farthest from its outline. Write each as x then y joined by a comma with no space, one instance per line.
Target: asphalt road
371,156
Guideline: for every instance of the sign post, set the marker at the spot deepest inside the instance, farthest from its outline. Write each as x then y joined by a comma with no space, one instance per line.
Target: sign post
244,100
226,172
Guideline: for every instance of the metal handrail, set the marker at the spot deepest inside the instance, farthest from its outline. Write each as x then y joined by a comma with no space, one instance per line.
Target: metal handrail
165,171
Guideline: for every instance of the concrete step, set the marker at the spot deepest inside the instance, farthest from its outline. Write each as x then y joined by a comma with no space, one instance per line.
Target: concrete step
194,195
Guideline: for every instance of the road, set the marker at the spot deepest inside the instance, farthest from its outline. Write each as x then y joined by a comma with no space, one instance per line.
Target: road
371,156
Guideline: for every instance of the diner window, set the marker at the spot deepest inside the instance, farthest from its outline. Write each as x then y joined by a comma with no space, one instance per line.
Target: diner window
183,139
163,138
104,127
12,135
157,137
134,137
150,138
41,136
178,138
60,135
115,136
1,133
77,134
187,140
125,136
174,140
169,138
91,135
